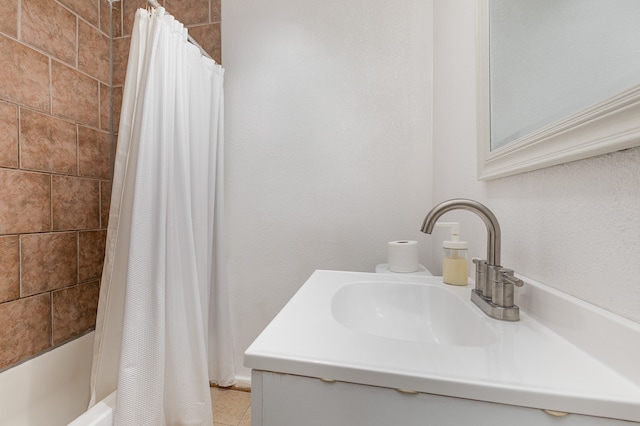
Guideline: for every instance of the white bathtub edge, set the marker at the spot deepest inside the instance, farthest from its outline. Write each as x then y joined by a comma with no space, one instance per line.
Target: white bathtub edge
100,414
50,389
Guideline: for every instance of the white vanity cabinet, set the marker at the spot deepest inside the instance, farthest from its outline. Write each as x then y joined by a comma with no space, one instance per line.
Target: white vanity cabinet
288,400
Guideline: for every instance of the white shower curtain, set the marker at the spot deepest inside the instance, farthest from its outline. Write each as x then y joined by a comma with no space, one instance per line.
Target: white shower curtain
163,330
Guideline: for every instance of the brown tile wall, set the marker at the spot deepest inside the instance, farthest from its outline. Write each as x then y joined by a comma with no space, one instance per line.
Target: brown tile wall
201,17
54,168
55,184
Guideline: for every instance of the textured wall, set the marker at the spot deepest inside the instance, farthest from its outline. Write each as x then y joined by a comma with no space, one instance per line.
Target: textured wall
54,170
575,227
327,135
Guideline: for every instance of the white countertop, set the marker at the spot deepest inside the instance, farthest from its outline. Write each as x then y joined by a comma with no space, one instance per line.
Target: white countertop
529,365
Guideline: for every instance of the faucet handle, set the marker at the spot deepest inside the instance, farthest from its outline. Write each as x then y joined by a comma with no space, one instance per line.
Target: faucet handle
507,276
478,261
481,275
504,288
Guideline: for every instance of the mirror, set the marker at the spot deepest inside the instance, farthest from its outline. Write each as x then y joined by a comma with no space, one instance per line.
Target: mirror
558,81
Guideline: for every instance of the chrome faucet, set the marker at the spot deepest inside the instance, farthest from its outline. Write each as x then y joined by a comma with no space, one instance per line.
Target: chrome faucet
494,285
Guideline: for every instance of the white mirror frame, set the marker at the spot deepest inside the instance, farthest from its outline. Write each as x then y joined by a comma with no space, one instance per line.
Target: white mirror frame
611,125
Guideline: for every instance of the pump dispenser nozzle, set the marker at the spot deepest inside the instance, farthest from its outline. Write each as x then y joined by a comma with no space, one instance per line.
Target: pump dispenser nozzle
455,242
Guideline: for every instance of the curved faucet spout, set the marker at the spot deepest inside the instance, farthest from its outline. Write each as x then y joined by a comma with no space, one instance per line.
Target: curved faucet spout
493,228
494,284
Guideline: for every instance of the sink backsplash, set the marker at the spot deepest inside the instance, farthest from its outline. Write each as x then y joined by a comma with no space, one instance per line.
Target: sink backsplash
610,338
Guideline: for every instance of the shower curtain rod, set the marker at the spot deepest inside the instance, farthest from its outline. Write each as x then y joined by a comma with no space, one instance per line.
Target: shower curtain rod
154,3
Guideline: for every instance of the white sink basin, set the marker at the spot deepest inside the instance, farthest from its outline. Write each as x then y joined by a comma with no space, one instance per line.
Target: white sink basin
409,311
416,333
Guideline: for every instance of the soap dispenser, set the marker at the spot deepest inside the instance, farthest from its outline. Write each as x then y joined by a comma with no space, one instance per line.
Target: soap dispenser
455,269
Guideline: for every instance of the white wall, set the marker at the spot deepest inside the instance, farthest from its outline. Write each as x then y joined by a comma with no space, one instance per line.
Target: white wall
329,156
328,126
575,227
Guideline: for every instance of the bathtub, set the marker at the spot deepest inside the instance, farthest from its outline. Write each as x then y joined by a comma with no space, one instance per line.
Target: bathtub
51,389
100,414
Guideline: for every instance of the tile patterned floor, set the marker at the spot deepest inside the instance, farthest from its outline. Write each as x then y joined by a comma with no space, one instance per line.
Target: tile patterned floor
231,407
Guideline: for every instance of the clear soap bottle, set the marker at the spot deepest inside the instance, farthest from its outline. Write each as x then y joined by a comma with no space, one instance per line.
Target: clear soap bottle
455,267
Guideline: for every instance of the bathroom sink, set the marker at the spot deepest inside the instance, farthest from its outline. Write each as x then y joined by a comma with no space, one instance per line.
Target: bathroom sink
411,311
415,333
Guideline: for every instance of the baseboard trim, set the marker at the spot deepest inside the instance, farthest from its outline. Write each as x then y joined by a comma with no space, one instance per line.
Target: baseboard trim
242,384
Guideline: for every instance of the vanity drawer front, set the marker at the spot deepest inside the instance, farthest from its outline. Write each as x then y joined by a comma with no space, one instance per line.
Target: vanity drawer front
288,400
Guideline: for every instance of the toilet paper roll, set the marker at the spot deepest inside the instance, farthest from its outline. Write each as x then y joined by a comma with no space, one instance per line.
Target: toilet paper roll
402,256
